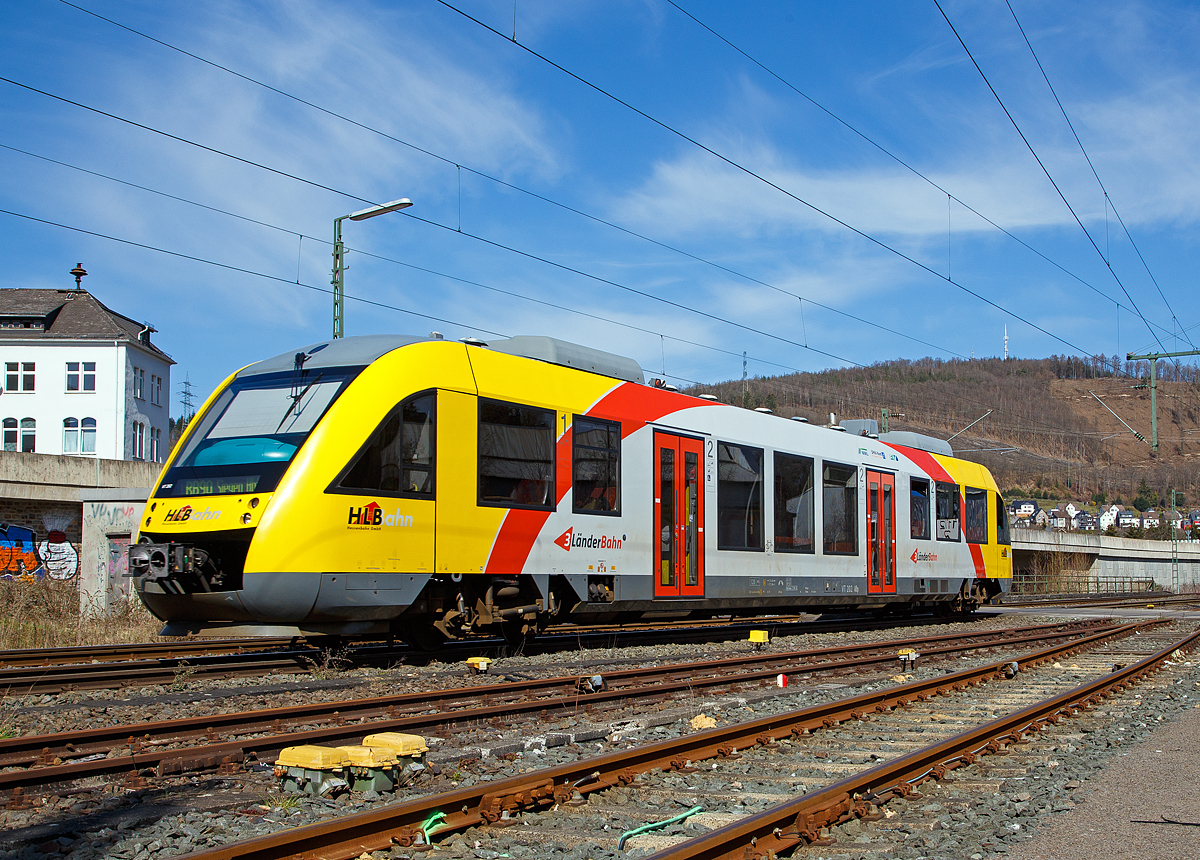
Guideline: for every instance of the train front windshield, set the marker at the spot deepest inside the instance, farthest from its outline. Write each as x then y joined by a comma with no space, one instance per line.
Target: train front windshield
250,434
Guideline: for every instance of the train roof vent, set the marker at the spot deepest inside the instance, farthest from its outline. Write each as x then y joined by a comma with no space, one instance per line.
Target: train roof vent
919,441
555,351
861,426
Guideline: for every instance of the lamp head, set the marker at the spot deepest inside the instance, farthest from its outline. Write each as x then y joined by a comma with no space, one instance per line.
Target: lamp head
372,211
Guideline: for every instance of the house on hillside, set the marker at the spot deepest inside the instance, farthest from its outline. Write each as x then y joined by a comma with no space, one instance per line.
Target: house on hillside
80,379
1150,519
1085,522
1023,508
1040,519
1128,519
1060,519
1108,516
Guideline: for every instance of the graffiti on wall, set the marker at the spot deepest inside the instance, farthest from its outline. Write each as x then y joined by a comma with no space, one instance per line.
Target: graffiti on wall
23,555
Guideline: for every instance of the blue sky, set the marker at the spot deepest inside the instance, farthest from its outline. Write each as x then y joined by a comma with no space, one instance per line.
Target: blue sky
419,71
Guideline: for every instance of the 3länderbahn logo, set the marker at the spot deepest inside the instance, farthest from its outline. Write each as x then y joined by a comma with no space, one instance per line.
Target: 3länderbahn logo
568,539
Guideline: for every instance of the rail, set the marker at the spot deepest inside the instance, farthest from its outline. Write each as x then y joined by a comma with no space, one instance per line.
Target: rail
48,759
800,821
403,824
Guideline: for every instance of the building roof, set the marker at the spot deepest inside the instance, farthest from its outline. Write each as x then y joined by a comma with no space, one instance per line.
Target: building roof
74,314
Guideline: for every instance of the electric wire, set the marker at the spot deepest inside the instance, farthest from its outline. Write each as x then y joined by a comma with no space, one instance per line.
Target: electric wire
503,183
1099,182
1038,159
832,392
897,159
746,170
412,266
245,271
494,244
524,191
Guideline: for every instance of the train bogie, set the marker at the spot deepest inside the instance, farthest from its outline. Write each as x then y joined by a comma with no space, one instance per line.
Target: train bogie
434,490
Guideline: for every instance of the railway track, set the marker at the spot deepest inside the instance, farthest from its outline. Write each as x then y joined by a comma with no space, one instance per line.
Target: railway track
1156,599
766,785
182,745
158,663
182,649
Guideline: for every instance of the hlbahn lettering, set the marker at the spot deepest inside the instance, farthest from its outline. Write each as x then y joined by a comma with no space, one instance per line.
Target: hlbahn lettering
374,515
186,514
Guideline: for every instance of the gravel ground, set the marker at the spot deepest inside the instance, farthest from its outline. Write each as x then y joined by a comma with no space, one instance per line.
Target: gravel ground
203,811
1122,813
190,696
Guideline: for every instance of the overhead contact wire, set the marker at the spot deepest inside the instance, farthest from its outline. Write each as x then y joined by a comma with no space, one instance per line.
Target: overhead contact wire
474,236
483,175
898,160
245,271
1099,181
1036,158
746,170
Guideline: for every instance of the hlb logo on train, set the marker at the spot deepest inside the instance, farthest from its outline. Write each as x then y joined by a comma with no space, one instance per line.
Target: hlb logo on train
372,516
186,514
569,539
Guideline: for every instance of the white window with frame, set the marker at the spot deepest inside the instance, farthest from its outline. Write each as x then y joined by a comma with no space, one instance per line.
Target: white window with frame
28,436
139,440
155,387
139,383
155,437
87,436
70,435
10,434
18,376
81,376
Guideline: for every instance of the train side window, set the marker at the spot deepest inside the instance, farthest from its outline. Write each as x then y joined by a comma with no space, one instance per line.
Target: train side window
516,455
596,478
948,505
398,459
793,503
918,517
739,497
839,503
1002,536
975,523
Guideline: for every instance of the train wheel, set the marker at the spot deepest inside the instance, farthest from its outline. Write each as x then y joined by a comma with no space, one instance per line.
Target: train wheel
421,637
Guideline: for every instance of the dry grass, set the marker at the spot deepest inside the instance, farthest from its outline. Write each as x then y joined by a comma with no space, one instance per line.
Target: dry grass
45,614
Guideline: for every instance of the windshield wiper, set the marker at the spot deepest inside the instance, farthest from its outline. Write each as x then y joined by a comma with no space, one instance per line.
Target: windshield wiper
296,398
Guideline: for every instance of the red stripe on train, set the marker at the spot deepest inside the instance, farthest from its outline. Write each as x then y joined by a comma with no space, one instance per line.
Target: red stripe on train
631,404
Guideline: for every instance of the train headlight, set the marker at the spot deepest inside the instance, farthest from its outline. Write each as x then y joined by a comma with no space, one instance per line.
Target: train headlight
246,519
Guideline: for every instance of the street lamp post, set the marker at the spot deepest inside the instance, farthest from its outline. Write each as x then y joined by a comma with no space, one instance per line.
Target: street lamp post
339,254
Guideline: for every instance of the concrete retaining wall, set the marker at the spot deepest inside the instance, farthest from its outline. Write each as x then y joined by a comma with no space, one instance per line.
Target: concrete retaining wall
1104,556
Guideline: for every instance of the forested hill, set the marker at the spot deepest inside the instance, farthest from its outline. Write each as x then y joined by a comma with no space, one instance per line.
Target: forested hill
1046,412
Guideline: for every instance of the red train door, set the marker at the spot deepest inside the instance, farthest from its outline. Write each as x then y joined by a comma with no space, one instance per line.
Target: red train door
678,516
881,533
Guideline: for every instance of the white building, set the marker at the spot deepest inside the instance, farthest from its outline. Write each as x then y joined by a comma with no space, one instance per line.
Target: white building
80,379
1108,516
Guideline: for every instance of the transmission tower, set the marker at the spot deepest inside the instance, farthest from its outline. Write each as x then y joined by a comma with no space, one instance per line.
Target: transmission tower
186,399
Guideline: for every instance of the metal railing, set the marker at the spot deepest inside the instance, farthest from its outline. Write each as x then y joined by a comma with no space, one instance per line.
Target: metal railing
1077,582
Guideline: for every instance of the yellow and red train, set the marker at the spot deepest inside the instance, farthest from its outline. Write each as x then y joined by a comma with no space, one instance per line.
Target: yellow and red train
431,489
